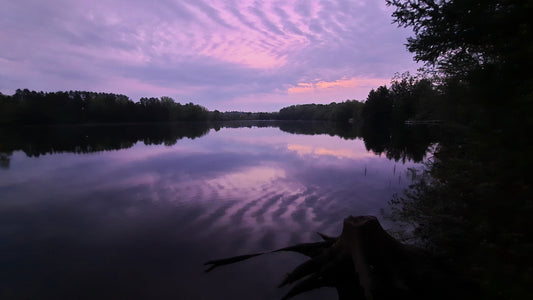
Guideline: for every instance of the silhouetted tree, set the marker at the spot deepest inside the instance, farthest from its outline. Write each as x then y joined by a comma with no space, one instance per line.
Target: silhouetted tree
73,107
473,201
378,107
461,36
339,112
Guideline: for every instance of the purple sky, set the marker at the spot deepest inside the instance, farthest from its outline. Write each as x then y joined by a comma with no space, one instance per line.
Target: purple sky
223,54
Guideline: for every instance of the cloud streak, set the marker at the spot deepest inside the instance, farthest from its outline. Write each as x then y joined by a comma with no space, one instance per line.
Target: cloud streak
215,53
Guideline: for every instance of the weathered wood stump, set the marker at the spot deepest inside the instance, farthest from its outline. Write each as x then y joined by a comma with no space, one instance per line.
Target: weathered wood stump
365,262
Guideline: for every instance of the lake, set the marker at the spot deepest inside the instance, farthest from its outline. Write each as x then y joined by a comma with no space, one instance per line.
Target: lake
133,212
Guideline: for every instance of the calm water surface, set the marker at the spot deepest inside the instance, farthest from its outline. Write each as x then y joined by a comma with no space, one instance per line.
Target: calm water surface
139,222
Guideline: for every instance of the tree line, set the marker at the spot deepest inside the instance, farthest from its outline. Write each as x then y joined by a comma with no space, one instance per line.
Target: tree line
79,107
408,98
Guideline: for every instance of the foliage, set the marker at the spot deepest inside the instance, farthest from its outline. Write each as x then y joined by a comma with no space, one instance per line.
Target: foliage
384,107
473,201
378,107
460,36
341,112
472,205
238,115
75,107
409,98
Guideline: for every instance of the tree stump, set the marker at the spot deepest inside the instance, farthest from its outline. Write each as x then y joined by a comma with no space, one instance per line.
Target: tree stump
365,262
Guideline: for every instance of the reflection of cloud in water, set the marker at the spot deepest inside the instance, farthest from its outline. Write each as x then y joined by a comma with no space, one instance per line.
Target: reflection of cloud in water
138,152
249,179
257,198
207,198
338,153
287,196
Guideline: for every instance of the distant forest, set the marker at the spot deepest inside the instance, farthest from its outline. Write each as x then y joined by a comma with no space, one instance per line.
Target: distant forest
79,107
407,98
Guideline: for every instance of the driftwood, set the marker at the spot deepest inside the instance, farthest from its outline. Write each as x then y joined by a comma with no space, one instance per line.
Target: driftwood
364,262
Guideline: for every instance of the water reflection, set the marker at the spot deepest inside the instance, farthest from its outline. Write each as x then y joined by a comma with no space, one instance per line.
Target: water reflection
400,143
40,140
139,222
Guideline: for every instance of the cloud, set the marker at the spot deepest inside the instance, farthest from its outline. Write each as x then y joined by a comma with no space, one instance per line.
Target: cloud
342,85
339,84
216,53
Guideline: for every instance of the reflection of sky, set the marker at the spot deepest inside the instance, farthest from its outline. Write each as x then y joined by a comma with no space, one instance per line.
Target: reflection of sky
163,210
338,153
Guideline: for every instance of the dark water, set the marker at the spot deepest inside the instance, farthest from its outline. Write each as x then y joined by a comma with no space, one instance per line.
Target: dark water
134,212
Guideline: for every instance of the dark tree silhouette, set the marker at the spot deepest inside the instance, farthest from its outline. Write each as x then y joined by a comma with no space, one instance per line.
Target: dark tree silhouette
473,201
349,110
76,107
461,36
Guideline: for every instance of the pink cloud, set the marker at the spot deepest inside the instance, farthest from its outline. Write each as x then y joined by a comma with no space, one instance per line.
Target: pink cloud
339,84
301,87
320,91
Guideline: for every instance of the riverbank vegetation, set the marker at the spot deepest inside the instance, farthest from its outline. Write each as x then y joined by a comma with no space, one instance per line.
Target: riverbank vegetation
408,98
473,202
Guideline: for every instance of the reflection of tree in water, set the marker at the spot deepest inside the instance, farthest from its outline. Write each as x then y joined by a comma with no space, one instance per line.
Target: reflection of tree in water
405,143
400,142
5,160
343,130
472,205
40,140
396,142
376,138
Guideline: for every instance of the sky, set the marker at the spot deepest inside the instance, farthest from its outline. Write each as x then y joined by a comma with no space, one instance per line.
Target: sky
223,54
